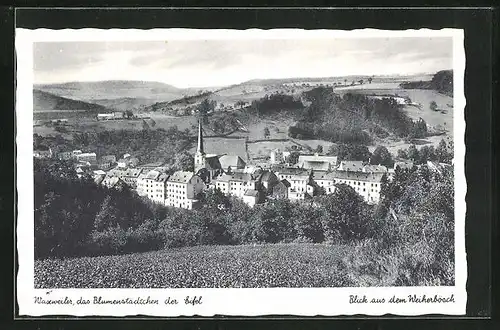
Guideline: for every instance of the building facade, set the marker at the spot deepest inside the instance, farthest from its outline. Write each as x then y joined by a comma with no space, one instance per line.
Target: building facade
182,189
153,185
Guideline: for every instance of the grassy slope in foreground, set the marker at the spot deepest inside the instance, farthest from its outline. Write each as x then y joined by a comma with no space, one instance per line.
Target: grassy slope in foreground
279,265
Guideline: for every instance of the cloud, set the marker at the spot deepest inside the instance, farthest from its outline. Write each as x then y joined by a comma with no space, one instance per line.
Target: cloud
186,63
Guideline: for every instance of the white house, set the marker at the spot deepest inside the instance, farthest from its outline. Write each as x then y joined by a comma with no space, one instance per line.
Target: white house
127,175
153,185
65,155
367,185
182,189
42,153
317,162
90,157
235,184
105,116
298,182
251,197
325,180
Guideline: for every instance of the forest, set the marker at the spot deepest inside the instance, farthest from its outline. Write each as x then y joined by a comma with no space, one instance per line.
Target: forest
353,118
442,82
148,145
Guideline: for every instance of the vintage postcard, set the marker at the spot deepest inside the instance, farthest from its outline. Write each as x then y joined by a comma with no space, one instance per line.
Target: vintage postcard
185,172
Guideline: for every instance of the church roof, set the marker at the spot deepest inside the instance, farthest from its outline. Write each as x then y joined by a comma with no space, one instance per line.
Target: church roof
212,163
231,160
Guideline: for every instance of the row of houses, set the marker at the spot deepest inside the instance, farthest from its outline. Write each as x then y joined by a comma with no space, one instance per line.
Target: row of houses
319,162
120,115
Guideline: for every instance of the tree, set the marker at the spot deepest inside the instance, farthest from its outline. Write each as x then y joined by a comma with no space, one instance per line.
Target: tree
370,80
345,82
361,81
433,106
129,114
293,158
307,223
345,217
266,132
413,153
107,215
204,108
350,152
381,156
442,153
402,154
184,161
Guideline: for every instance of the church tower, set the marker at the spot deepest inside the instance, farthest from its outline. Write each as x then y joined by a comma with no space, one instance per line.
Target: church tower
199,157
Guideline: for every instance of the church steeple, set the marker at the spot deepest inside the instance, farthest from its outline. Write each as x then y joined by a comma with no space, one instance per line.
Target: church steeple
200,138
199,157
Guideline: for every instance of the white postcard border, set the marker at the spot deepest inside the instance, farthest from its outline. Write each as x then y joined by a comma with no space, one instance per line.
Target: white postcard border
235,302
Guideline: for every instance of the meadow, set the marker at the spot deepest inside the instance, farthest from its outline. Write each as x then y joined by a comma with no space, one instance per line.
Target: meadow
247,266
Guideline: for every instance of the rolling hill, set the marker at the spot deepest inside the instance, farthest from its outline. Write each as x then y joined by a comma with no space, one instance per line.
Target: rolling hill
43,101
119,94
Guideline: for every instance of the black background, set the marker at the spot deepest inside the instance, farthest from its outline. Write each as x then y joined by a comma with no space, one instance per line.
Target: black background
480,78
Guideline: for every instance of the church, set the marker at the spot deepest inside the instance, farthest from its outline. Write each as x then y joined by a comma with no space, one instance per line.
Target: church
206,166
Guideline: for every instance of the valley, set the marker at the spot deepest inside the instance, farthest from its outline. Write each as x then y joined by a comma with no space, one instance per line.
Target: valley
176,107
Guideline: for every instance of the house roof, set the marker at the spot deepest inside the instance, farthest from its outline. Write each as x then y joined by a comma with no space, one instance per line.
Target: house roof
323,175
181,177
293,171
114,181
163,177
135,172
286,183
318,158
152,175
92,154
316,165
351,165
244,177
108,157
239,176
251,192
358,176
231,160
299,177
98,179
374,168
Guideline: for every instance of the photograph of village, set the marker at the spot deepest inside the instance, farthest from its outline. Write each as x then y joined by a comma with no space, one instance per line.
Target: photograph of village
249,163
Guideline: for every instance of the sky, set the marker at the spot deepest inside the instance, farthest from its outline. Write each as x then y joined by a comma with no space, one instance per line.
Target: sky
210,63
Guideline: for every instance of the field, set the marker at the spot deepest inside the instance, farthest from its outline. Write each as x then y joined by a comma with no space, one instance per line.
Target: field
280,265
220,146
85,122
423,97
